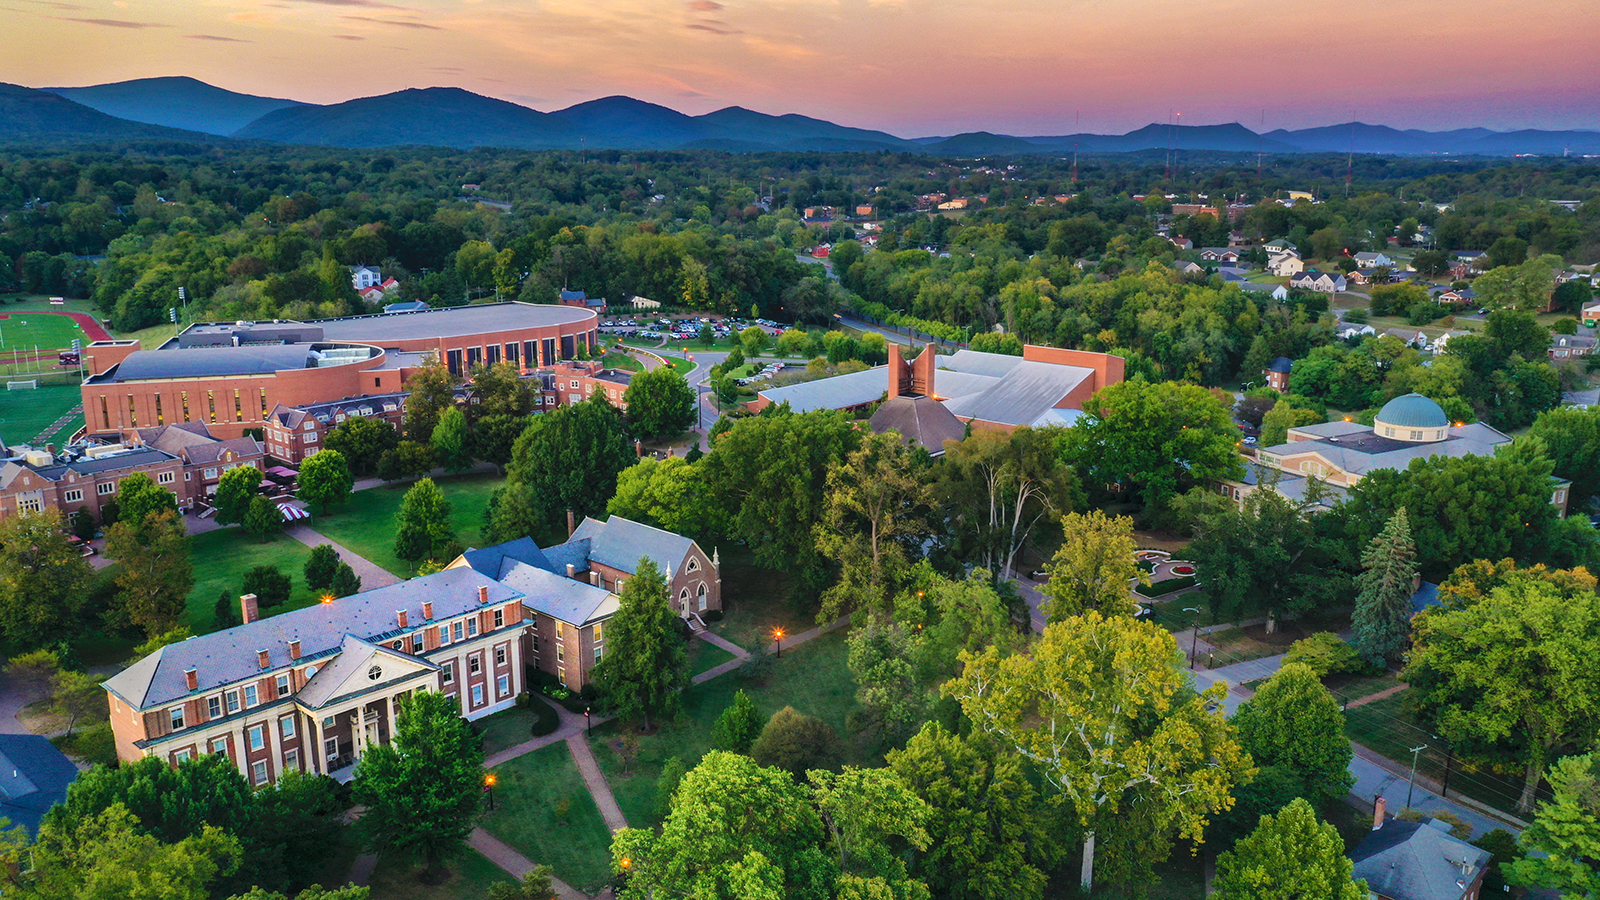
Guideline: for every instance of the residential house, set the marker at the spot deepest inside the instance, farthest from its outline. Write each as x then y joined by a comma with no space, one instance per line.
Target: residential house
40,776
1464,262
362,277
1181,242
1591,315
1277,373
1417,861
1320,282
1411,337
1185,267
1351,330
1455,296
1377,275
1370,260
1572,346
1280,247
614,548
1285,265
1219,254
1439,343
583,301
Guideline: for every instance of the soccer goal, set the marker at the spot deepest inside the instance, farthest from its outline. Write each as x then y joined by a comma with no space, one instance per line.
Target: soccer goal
31,384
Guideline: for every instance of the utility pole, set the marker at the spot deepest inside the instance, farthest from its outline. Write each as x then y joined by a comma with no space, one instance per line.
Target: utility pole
1413,782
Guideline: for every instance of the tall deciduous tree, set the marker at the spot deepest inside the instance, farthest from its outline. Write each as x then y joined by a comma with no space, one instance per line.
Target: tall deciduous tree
670,493
567,459
492,438
989,834
108,857
263,519
1294,724
891,697
997,487
1102,709
432,392
1382,619
363,440
44,580
1572,438
876,500
1290,856
1512,676
660,403
423,789
449,441
325,478
796,743
1263,557
1095,567
866,813
139,497
422,526
1160,438
1283,416
737,831
1563,842
235,490
156,573
645,666
320,566
500,390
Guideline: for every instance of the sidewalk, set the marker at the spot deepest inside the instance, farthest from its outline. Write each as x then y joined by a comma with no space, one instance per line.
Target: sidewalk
372,576
596,783
504,856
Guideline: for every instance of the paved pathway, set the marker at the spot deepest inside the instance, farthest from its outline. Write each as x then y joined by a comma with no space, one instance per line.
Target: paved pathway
361,870
513,862
372,576
1373,698
596,782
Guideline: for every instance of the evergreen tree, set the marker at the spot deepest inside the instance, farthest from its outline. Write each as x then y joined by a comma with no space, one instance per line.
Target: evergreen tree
345,581
739,725
321,566
645,665
449,441
1382,619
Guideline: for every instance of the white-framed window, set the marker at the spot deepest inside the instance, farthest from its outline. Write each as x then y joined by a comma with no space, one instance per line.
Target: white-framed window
310,426
502,686
291,759
499,618
472,627
105,487
475,663
258,772
166,477
330,748
182,756
258,736
561,675
455,630
75,495
561,653
283,685
1416,435
219,746
209,473
700,596
233,702
250,698
444,635
416,642
500,655
693,566
286,727
214,707
574,384
448,673
561,629
599,632
477,695
32,504
311,438
176,714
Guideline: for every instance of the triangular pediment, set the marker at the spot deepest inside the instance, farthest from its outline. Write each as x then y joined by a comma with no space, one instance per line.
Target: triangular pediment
360,668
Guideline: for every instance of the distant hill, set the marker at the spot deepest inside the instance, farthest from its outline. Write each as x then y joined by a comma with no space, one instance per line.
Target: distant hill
177,102
436,116
40,116
794,132
982,143
635,124
1359,136
1542,143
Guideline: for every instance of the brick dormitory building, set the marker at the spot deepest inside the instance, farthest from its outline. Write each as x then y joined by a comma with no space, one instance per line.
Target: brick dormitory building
312,689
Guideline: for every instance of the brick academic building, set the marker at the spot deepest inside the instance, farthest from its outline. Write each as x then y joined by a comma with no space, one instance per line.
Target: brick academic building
231,376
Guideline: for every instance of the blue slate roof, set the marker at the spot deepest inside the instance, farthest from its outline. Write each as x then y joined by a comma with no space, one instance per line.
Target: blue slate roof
33,777
1417,861
620,543
1281,364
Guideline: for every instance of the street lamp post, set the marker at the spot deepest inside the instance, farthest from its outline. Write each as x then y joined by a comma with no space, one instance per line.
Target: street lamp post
488,787
1413,782
587,727
1194,632
777,638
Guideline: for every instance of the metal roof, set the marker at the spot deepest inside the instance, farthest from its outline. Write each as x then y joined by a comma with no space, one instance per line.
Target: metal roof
838,392
1412,411
209,362
620,543
1023,395
454,321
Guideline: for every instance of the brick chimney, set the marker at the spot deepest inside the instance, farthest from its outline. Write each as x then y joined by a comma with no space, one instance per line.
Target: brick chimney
572,524
249,611
427,609
263,660
400,616
294,649
1380,811
483,594
191,679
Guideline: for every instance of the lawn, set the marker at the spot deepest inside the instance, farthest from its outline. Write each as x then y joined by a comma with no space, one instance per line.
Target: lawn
529,791
755,602
25,415
704,656
220,560
507,729
621,361
813,678
365,522
470,876
1388,727
1241,644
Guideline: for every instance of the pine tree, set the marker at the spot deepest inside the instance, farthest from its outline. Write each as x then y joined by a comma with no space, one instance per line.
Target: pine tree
1382,619
739,725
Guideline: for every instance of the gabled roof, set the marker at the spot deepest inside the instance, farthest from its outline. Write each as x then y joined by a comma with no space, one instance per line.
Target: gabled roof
1281,365
34,776
490,560
620,543
1417,861
923,421
558,596
351,672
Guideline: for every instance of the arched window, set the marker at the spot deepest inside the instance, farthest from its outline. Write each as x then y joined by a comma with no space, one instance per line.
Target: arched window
700,595
683,598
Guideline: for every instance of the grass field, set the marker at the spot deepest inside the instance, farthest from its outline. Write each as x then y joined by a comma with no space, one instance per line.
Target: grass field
470,876
241,553
528,795
24,415
365,522
754,602
813,678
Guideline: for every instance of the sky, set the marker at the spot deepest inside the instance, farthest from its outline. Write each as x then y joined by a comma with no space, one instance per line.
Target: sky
909,67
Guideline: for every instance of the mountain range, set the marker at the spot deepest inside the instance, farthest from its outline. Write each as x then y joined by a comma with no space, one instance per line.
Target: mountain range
185,108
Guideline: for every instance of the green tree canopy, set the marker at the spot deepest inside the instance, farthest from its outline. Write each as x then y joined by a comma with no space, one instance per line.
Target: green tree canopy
363,440
44,579
1563,841
1290,856
263,519
996,488
139,497
1382,619
1572,438
796,743
1094,568
738,726
645,666
566,459
1263,557
325,479
422,526
669,493
660,403
873,520
422,790
320,566
235,490
449,442
1294,724
432,391
156,572
1283,416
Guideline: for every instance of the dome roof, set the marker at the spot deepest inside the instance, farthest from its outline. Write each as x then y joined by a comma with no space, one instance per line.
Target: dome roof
1413,411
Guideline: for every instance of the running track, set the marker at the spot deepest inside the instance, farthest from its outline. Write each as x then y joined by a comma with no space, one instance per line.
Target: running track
91,328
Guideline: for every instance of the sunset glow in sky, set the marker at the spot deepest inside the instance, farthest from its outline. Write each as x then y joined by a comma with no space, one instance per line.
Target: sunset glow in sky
910,67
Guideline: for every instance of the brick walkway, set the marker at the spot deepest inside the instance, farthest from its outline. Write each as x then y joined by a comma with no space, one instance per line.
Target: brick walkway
372,576
596,782
1373,698
514,863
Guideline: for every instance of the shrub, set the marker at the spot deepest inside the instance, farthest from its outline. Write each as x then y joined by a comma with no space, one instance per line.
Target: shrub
712,615
83,524
1326,655
548,719
270,586
345,581
797,743
1171,585
667,784
227,610
321,566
